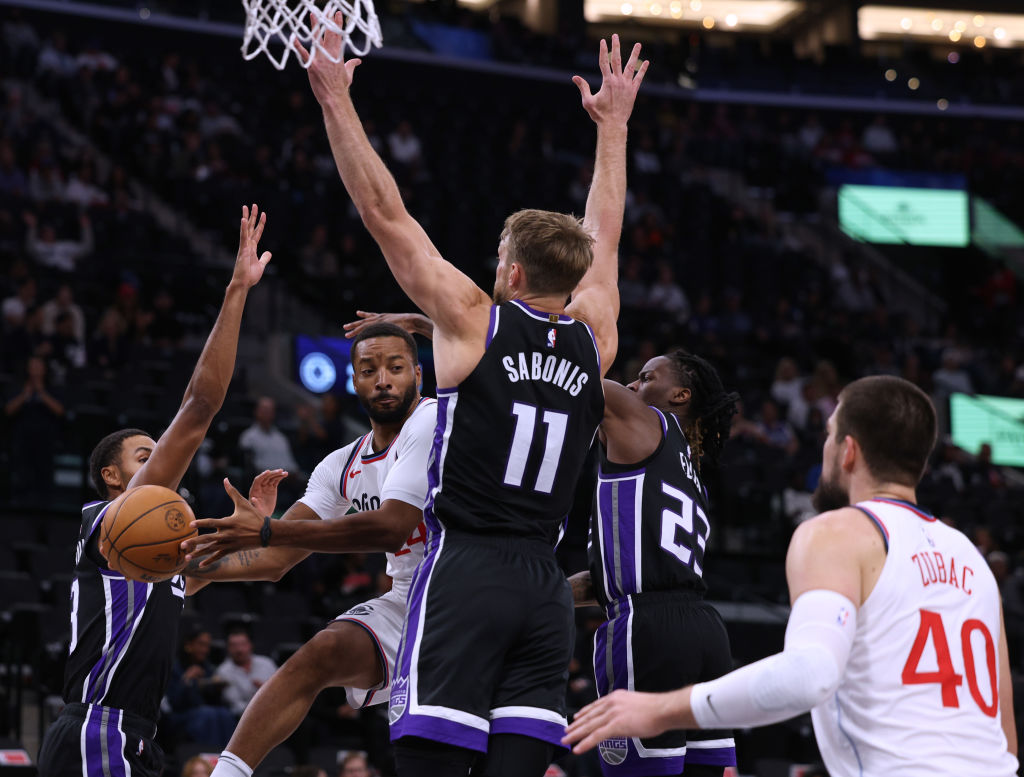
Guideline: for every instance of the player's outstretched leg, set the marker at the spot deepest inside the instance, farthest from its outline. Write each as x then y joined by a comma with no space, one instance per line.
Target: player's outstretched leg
342,655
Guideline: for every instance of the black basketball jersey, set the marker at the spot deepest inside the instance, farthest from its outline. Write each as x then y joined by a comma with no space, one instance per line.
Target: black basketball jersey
511,438
123,633
650,525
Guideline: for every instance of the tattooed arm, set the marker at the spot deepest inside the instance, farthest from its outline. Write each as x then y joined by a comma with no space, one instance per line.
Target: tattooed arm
249,564
583,590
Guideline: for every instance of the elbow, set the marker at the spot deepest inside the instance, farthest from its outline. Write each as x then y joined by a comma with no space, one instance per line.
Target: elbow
394,542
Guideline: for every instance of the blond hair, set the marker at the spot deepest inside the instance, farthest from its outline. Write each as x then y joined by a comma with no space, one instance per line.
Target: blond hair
554,249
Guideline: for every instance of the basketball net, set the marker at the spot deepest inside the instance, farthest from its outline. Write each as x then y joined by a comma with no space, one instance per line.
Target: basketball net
273,26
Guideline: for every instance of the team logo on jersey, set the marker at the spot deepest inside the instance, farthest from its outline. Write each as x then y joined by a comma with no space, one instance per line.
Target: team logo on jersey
552,337
843,616
174,519
613,751
360,609
399,699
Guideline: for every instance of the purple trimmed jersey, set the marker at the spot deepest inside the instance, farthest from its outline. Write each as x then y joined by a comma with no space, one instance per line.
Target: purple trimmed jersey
511,439
650,524
123,633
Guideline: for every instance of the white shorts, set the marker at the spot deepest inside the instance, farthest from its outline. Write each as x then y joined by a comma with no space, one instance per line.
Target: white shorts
383,618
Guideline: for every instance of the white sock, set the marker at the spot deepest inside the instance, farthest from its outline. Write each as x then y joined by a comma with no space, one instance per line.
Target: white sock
230,765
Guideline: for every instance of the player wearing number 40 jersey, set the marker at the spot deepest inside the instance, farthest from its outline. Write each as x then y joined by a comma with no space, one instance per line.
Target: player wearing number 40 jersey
895,641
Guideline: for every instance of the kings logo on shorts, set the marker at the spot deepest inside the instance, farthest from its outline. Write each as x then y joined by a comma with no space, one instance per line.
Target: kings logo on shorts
613,751
399,699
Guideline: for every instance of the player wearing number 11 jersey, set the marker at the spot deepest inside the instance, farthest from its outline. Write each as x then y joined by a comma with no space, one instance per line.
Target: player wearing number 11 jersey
895,642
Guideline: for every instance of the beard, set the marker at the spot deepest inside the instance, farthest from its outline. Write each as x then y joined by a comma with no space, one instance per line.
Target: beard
397,413
829,495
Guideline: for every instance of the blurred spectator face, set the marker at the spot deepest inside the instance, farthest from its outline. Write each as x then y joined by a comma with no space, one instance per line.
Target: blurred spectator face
164,302
985,453
239,648
786,371
198,648
999,563
65,326
769,412
354,766
36,369
65,295
111,324
265,412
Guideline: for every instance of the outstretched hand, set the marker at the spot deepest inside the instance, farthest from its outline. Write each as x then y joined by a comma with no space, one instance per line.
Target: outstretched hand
326,77
619,714
238,531
249,266
406,321
619,85
263,492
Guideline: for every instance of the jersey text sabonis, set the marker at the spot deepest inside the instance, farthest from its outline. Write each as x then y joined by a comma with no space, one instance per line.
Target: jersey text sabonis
548,368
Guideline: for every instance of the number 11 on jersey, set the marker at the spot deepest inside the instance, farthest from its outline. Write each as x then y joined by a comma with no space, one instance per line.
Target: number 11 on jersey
522,443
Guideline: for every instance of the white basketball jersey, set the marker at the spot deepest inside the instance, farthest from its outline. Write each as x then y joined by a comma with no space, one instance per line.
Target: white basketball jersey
920,695
356,478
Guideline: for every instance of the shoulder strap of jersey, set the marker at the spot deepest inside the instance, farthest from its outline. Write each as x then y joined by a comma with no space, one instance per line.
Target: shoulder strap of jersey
876,520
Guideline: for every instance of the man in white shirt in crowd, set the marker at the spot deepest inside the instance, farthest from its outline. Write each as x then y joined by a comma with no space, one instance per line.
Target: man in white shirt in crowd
244,672
265,444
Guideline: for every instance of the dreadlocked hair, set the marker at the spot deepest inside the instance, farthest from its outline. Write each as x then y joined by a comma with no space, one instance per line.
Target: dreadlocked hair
711,407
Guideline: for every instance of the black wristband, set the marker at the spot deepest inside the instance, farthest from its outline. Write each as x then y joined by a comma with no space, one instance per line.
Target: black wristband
265,532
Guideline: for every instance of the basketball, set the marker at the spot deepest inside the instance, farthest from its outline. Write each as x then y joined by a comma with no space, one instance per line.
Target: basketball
142,531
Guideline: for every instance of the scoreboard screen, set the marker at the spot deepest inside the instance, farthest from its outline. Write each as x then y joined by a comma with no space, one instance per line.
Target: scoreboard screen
999,421
904,215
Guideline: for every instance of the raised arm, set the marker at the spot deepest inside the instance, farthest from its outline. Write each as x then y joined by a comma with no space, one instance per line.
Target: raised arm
209,384
443,292
413,323
596,297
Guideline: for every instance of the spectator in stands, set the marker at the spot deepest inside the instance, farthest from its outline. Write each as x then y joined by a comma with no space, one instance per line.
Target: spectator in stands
63,303
165,330
264,444
63,350
404,146
34,414
82,190
788,384
43,245
354,764
194,694
46,181
773,431
951,377
668,297
110,348
243,672
196,766
13,182
879,139
16,308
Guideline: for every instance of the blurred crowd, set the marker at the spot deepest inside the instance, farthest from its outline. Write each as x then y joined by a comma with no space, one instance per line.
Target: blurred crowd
103,309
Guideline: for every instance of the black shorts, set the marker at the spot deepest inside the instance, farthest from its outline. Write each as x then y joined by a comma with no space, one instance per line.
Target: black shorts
487,643
662,641
92,741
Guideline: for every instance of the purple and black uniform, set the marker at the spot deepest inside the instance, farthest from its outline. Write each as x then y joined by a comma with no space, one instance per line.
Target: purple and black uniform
123,635
648,532
489,632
